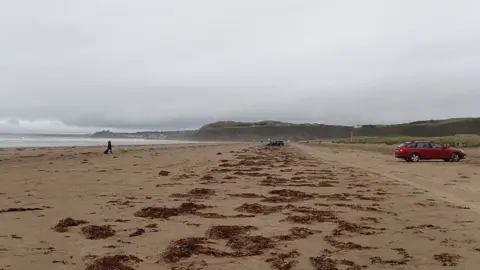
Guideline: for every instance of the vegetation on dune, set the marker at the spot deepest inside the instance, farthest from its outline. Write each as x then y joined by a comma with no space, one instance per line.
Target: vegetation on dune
440,122
428,128
460,141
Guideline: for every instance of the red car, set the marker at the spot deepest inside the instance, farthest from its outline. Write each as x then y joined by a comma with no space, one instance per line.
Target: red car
424,150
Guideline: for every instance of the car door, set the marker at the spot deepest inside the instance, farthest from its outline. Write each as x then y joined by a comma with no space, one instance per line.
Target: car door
437,151
409,148
423,149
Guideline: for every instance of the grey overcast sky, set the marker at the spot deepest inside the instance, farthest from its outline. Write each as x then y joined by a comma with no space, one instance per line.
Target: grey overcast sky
83,65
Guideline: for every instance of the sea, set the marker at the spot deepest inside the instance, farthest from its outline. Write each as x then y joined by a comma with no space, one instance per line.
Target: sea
34,141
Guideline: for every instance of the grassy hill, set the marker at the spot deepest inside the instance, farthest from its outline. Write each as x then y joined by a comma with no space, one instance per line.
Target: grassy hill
272,129
264,130
430,128
248,131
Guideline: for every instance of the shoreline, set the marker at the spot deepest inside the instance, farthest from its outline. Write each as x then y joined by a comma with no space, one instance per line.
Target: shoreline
37,141
177,143
13,155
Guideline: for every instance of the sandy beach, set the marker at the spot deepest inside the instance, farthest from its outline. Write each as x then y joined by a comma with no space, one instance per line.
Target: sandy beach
235,206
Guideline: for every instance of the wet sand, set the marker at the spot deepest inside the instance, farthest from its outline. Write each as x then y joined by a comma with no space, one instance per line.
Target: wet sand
235,206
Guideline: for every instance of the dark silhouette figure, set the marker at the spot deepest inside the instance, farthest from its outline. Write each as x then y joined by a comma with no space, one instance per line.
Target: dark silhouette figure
109,148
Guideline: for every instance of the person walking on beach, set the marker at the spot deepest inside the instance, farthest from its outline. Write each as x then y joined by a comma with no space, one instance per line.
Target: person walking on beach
109,148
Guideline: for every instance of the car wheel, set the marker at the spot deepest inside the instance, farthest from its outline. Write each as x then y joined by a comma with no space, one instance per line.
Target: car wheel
455,157
447,160
414,157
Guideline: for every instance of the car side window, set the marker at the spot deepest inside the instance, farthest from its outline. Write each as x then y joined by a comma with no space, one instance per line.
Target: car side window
423,145
436,145
410,145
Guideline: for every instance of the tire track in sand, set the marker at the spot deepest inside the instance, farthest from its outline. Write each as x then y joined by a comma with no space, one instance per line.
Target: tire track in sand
427,184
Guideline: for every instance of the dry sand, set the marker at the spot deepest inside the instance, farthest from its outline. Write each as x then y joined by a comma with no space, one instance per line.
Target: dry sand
235,206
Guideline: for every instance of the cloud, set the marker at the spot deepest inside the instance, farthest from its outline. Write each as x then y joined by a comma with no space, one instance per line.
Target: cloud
46,126
180,64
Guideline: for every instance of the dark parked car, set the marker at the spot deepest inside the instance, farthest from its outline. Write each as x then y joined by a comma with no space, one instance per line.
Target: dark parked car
427,150
275,143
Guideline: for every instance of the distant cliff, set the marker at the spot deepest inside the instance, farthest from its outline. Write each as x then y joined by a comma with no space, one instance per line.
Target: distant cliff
263,130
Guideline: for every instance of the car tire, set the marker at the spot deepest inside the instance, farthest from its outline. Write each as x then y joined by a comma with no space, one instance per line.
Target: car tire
447,160
414,157
455,157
